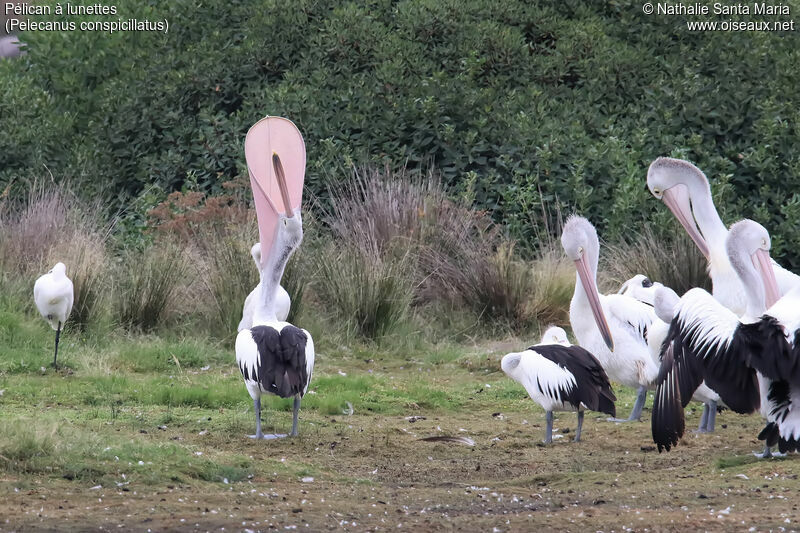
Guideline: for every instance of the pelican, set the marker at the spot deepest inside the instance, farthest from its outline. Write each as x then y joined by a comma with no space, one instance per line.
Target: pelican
274,356
282,300
685,190
612,327
750,361
53,294
664,305
641,288
561,377
10,46
555,335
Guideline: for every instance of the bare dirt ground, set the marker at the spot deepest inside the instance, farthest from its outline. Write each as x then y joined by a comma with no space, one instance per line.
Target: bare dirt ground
371,472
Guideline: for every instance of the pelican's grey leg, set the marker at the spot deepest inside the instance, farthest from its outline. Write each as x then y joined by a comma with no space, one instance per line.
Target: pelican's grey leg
636,413
712,416
548,437
257,409
294,416
580,426
55,356
702,428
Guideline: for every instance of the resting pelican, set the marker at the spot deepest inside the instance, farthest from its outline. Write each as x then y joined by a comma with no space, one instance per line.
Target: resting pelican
282,300
641,288
612,327
53,294
751,362
561,377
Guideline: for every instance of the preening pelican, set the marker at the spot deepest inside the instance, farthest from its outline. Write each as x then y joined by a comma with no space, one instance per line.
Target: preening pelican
561,377
751,362
282,300
612,327
53,294
685,190
273,356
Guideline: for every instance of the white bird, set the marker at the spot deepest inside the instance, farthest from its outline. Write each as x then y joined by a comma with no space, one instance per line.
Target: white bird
555,335
10,46
53,294
750,361
274,356
282,300
685,190
619,343
561,377
641,288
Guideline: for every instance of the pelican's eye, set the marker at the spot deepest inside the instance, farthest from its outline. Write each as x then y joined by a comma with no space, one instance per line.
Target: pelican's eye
646,283
580,249
656,190
764,243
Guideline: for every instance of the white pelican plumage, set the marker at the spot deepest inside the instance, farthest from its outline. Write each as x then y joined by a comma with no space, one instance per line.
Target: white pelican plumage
53,294
685,190
274,356
640,287
612,327
750,361
561,377
282,301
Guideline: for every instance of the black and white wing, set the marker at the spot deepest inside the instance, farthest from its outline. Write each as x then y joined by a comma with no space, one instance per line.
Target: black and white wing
283,368
590,387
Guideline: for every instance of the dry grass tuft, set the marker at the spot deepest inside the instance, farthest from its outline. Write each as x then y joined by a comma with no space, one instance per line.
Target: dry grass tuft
670,259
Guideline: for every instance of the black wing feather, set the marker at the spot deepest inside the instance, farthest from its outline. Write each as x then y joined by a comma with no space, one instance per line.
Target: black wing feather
593,387
725,367
667,423
282,356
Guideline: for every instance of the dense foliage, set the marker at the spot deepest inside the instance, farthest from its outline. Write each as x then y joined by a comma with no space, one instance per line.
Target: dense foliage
519,104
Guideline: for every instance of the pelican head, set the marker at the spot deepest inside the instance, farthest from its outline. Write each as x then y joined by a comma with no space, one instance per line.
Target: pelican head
748,241
510,363
59,270
673,181
555,335
290,223
579,240
664,303
641,288
255,253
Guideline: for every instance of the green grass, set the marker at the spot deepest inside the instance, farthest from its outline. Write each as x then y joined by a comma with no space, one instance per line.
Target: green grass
46,446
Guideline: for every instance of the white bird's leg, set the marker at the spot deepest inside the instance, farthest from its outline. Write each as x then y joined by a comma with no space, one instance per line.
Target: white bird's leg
55,356
580,425
548,437
294,415
766,454
703,427
638,405
712,416
636,413
257,409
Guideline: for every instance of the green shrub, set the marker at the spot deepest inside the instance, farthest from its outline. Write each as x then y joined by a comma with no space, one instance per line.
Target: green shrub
517,104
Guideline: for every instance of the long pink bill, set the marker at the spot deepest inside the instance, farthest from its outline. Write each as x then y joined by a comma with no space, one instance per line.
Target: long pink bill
763,263
590,287
677,200
281,177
